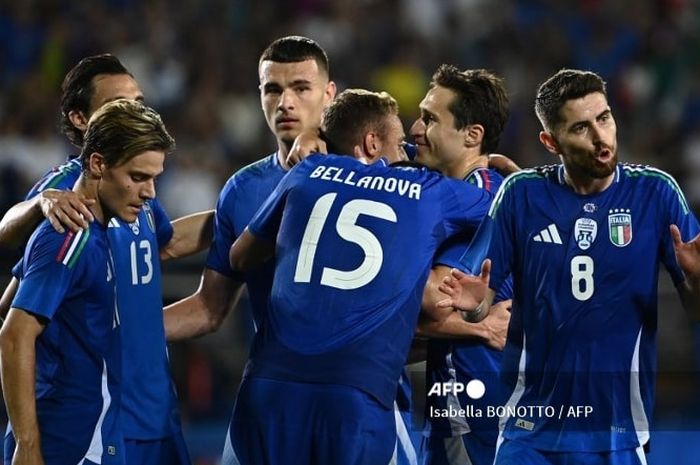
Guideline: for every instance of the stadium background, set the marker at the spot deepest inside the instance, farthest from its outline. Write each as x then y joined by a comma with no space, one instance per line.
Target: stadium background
196,61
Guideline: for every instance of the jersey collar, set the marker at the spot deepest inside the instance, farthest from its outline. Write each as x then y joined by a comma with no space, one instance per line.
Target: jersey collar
561,171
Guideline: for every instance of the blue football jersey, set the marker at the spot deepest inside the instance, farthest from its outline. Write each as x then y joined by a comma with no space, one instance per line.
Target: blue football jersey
453,361
354,244
68,282
149,401
148,395
238,201
581,351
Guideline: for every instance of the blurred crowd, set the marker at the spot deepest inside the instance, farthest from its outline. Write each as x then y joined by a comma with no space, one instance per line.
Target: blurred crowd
196,62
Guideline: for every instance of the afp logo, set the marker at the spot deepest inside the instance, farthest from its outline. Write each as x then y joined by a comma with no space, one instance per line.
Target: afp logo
620,226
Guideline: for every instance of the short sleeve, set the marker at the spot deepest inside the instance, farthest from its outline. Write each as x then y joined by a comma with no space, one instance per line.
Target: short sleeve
51,264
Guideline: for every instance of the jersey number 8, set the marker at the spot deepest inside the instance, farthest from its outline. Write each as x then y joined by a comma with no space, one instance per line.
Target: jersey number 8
582,284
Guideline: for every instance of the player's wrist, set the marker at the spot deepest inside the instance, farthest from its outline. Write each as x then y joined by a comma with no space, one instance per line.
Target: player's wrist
475,315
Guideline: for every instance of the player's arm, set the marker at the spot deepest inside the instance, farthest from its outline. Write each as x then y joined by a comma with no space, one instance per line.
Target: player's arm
440,318
205,310
64,209
503,164
191,234
250,251
492,330
306,143
7,297
688,257
17,367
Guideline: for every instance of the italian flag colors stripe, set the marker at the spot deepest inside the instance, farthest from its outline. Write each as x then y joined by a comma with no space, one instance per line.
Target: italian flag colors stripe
72,247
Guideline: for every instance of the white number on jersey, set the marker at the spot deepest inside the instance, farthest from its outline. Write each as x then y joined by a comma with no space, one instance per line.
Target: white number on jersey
144,252
347,229
582,285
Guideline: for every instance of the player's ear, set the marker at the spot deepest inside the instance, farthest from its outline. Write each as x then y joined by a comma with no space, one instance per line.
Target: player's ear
371,146
329,92
78,119
96,164
549,142
473,135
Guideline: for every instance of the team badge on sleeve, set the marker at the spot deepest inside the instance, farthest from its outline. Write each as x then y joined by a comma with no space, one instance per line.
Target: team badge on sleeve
585,232
620,226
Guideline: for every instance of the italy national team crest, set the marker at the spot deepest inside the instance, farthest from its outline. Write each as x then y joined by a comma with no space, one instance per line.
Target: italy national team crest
135,227
620,226
585,232
149,217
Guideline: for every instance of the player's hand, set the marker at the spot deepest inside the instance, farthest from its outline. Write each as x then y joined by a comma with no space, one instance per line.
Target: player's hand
306,143
687,253
502,164
465,292
27,455
496,324
66,209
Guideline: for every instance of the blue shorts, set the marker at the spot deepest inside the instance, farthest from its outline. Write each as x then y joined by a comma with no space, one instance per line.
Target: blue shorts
167,451
59,448
463,449
287,423
515,453
411,443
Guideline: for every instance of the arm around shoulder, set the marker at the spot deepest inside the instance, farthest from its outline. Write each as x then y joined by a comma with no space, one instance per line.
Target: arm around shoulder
62,208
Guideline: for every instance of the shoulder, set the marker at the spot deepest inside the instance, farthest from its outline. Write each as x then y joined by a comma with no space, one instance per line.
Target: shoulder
265,168
66,248
485,178
517,184
647,177
60,177
532,176
647,174
256,170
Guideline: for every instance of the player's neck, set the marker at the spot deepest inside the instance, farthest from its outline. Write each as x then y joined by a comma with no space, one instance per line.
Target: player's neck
88,188
586,185
282,152
466,165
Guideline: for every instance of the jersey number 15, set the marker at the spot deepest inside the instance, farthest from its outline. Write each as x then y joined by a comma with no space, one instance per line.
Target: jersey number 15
346,228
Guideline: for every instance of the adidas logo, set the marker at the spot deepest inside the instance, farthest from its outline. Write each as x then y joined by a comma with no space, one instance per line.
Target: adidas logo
549,235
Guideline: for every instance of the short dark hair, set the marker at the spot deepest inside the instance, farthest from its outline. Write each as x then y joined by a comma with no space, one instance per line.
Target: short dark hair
565,85
352,114
123,129
481,98
77,89
293,49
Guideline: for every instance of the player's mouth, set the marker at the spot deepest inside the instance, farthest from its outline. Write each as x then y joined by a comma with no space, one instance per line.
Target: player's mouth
135,208
286,122
421,147
604,155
